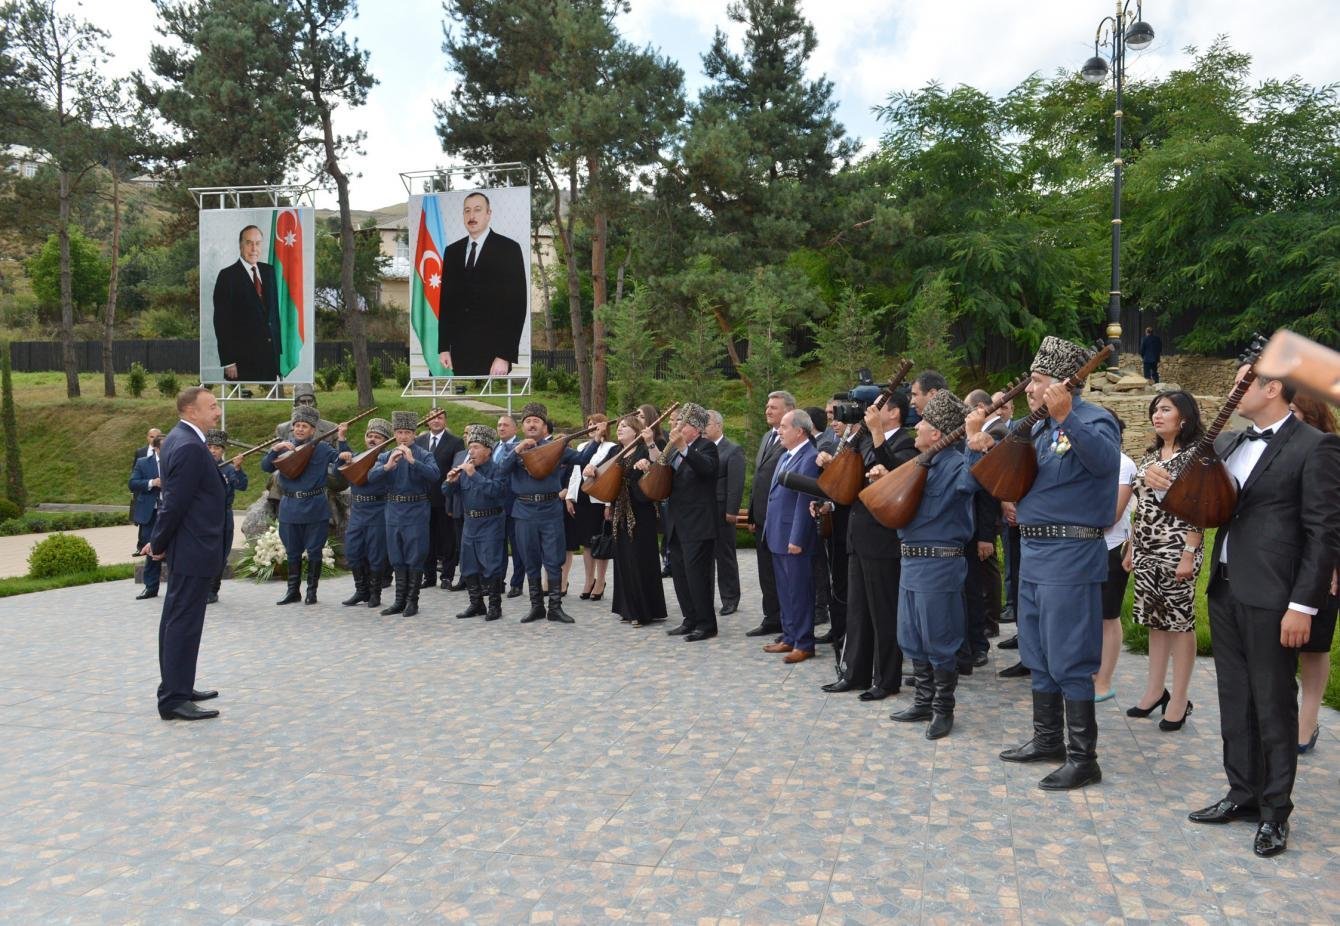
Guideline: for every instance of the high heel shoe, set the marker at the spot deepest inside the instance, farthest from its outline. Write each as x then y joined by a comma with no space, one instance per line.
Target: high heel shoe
596,596
1311,744
1161,703
1168,726
586,593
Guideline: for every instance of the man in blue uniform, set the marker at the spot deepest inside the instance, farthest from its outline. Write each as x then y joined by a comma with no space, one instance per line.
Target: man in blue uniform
930,586
304,514
405,473
235,480
365,535
1062,562
478,485
538,514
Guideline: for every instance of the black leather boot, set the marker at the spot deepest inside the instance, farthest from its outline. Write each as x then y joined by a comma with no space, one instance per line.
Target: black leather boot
313,580
1081,761
942,704
428,578
920,708
360,594
401,593
556,612
412,586
294,584
1046,744
374,581
386,576
495,599
536,612
476,590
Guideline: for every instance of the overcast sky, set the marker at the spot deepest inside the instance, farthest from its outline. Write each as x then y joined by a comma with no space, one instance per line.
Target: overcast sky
868,48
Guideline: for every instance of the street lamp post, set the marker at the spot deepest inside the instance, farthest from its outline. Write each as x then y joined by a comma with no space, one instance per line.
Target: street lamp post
1116,33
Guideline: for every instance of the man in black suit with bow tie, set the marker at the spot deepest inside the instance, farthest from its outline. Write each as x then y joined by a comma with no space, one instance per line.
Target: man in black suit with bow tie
246,314
483,309
1272,566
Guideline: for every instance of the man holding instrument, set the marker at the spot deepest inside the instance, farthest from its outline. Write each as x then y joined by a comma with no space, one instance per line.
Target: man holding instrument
476,484
1063,561
443,532
405,472
365,536
690,521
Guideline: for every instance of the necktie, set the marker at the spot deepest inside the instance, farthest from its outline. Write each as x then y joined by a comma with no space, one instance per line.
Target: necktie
256,278
432,444
470,260
1265,435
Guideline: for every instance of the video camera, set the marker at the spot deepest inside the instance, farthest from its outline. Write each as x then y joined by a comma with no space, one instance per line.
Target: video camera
849,407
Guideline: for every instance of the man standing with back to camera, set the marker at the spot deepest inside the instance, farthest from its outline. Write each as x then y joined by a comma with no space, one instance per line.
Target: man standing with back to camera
246,314
483,310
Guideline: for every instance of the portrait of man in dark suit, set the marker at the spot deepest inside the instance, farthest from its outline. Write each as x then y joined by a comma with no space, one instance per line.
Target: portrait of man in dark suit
246,314
483,307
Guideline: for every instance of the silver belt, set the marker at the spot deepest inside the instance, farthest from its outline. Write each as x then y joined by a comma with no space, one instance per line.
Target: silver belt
407,498
544,497
483,512
1060,532
368,499
307,493
932,552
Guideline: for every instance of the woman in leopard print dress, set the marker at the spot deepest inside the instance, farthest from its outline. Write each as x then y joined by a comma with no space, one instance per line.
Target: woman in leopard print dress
1166,555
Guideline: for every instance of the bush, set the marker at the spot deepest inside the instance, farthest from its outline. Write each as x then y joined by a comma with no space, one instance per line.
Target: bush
168,386
376,375
347,371
400,370
47,521
168,323
328,377
563,382
137,379
61,555
9,510
539,378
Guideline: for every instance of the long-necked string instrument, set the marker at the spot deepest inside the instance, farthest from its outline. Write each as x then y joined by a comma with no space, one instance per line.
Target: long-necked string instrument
893,499
608,480
249,449
1009,468
357,469
1204,493
292,462
542,459
844,475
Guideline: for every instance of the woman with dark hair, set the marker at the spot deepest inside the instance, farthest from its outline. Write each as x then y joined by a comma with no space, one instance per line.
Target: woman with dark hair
1314,657
1165,557
649,414
638,595
588,515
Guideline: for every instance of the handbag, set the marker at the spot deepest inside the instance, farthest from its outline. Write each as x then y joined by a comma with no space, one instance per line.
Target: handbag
601,545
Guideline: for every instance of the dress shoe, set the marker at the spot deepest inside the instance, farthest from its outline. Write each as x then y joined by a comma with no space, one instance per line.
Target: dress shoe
1311,744
203,695
1008,616
964,668
874,694
777,648
728,609
682,630
454,586
665,571
838,687
1011,643
762,630
1169,726
187,711
699,635
1018,670
514,591
212,598
979,660
1224,811
797,655
1272,838
1161,705
825,638
428,581
146,594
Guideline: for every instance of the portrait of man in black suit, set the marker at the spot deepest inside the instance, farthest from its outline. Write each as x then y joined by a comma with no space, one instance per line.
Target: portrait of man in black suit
246,314
483,307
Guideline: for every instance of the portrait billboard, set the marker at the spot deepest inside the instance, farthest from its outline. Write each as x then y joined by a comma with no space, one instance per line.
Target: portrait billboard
257,286
470,282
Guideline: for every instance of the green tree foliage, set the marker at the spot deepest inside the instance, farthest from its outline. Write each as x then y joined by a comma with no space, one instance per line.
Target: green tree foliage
772,361
849,340
632,351
929,322
14,488
87,280
696,353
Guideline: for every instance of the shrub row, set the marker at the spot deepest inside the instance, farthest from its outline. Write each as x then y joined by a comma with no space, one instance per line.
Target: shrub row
48,521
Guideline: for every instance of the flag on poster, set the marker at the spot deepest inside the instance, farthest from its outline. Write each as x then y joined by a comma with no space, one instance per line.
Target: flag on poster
286,258
426,285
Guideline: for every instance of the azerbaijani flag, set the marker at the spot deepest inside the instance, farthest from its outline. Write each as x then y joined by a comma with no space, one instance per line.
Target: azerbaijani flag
286,258
425,296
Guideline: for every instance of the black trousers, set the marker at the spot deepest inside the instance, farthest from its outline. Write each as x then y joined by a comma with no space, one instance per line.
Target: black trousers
442,547
982,575
518,570
179,629
1258,702
728,566
691,563
870,653
836,573
767,583
1011,543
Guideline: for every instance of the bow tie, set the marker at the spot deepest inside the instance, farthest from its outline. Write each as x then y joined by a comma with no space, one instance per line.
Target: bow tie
1265,435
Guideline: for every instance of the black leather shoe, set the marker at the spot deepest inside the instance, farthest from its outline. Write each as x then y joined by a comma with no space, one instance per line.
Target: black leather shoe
825,638
514,591
203,695
728,609
1224,811
874,694
1008,616
1272,838
187,711
762,630
212,599
838,687
979,660
665,571
146,594
964,668
682,630
699,635
1011,643
454,586
1018,670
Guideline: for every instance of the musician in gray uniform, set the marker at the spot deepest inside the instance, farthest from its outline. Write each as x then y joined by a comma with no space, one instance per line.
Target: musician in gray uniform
930,587
365,535
1063,562
304,515
479,486
405,473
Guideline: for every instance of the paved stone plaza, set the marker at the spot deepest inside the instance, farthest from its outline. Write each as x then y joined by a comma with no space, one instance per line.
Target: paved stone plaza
382,770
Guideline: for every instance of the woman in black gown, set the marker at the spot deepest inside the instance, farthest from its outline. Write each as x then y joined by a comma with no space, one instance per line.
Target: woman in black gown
638,595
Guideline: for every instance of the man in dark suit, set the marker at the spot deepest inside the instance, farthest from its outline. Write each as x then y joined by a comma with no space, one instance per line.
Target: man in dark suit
690,523
443,529
148,450
483,309
765,464
189,533
1272,565
730,492
982,586
507,441
793,540
246,314
146,484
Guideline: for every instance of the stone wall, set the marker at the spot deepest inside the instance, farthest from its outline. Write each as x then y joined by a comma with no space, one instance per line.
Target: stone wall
1209,379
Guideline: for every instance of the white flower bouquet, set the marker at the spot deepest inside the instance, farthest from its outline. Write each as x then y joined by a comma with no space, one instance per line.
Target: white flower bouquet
265,558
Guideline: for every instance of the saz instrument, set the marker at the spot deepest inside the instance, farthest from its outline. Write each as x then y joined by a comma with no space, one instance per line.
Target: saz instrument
1204,493
292,462
608,480
844,475
1009,468
249,449
356,470
542,459
894,498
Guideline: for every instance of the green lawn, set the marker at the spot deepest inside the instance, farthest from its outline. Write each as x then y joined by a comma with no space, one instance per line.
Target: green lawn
22,585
